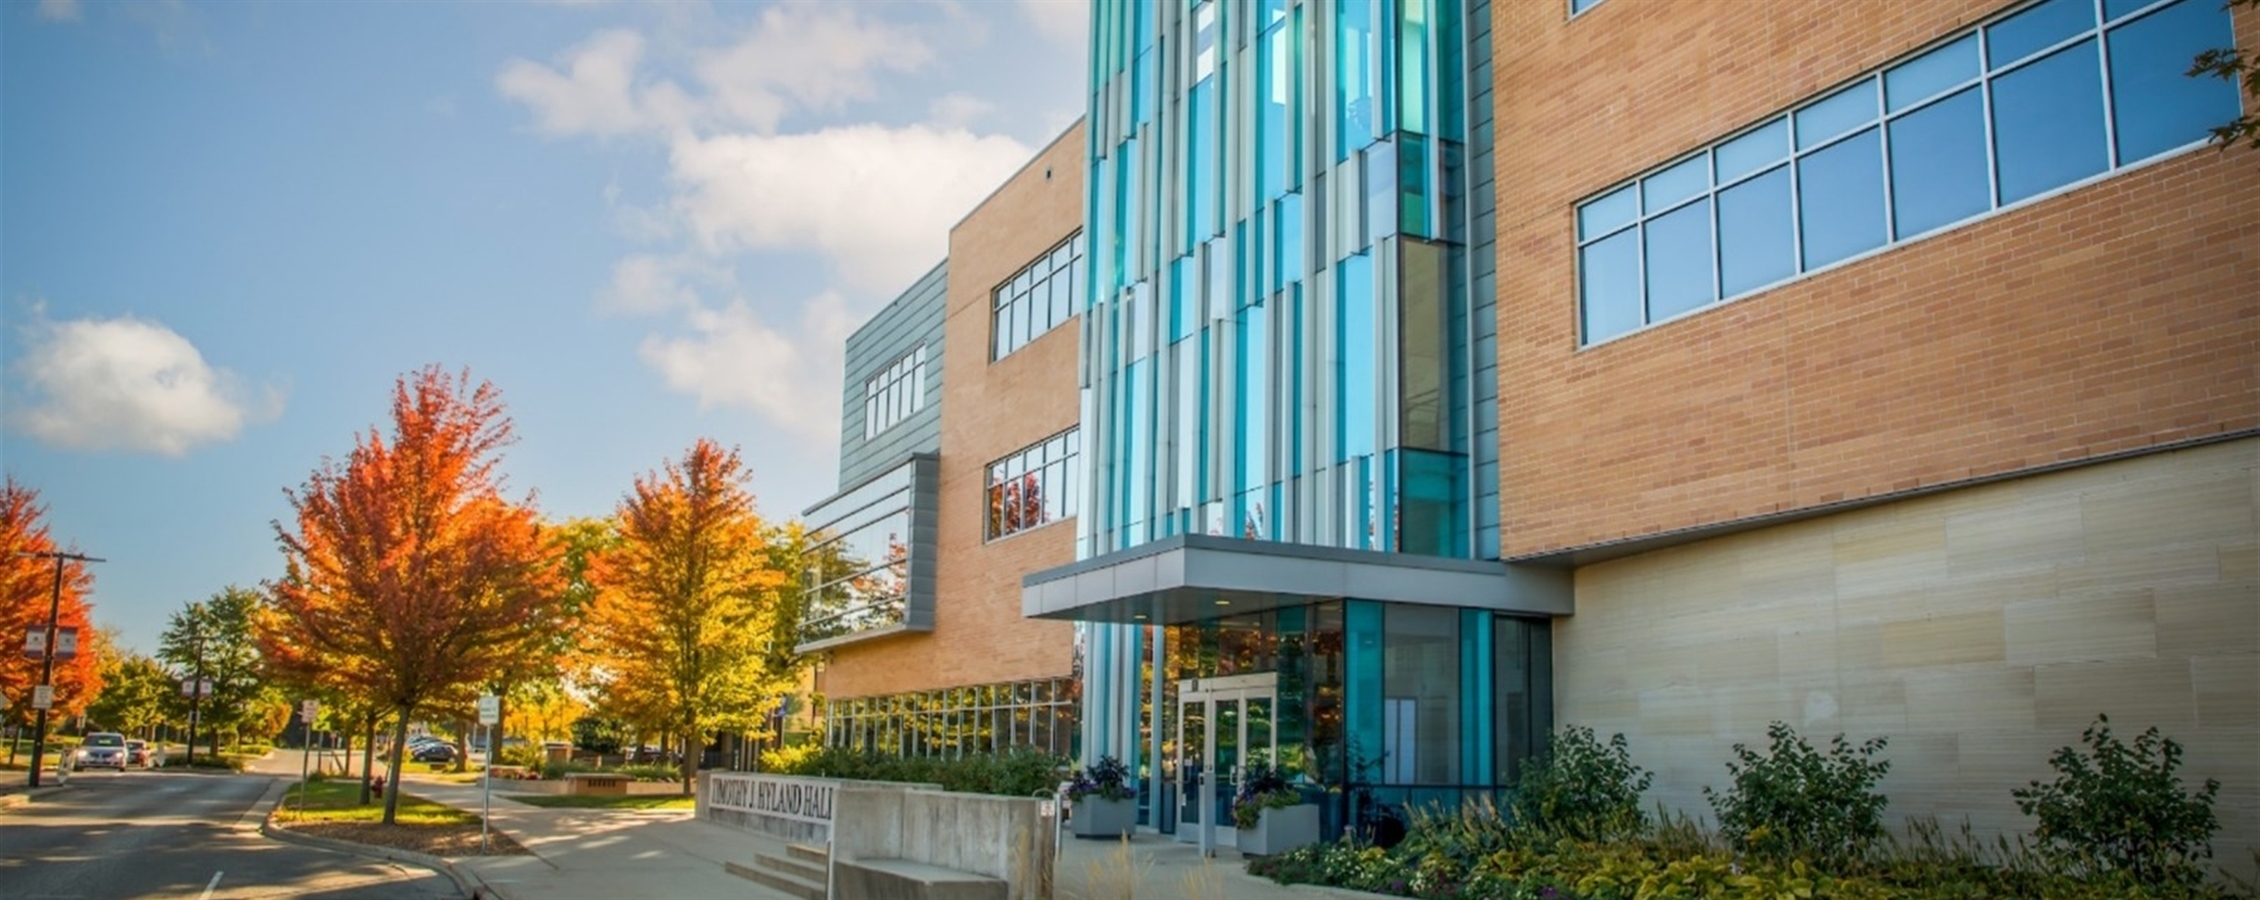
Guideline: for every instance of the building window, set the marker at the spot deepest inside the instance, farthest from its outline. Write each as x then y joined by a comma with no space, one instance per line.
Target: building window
1041,715
1034,300
1035,486
1579,6
2045,97
895,393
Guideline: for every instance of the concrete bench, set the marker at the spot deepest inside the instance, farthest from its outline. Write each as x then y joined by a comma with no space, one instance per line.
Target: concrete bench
596,783
901,879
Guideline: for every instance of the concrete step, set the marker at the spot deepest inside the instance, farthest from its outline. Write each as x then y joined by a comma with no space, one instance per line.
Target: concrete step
815,853
812,872
777,880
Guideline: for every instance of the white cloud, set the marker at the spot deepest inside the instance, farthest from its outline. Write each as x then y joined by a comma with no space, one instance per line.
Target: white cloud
130,384
597,91
807,57
733,358
654,284
957,109
876,202
59,10
1063,19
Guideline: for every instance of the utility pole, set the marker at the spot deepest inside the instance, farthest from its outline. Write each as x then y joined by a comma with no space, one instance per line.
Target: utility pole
47,656
196,676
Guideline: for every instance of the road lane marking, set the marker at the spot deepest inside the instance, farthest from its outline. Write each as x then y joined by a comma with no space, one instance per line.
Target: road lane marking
215,882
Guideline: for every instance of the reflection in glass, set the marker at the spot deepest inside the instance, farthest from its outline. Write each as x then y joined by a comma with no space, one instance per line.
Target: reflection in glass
1840,199
2154,107
1938,164
1756,247
2048,123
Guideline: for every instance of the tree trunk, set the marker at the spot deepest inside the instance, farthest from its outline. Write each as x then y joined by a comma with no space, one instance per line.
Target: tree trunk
690,763
399,750
368,758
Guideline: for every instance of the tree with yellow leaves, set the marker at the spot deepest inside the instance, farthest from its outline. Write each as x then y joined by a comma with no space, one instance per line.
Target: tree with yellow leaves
690,604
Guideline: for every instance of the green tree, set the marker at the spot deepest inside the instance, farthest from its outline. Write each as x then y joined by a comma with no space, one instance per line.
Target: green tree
136,692
213,639
2238,67
684,628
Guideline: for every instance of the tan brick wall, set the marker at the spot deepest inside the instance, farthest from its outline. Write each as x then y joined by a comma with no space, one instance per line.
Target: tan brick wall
2123,315
988,411
1977,629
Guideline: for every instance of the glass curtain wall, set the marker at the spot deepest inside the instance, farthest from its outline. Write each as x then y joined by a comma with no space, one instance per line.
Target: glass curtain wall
1397,703
951,722
1276,341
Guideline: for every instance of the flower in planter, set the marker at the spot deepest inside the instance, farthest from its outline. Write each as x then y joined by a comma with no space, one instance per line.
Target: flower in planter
1261,788
1107,779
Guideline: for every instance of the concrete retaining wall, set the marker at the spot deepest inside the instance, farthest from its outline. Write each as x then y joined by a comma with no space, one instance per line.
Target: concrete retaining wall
787,807
1009,838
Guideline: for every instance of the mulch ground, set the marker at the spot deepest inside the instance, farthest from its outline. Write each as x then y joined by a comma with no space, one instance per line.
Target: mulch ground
436,840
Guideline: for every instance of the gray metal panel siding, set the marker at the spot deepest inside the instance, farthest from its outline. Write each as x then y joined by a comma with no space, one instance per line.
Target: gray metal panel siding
925,541
912,319
1483,257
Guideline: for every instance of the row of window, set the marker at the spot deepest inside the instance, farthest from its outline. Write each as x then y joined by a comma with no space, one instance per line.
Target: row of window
2052,94
1037,299
1035,486
896,393
991,718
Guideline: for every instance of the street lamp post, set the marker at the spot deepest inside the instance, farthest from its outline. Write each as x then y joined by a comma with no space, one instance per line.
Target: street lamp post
47,655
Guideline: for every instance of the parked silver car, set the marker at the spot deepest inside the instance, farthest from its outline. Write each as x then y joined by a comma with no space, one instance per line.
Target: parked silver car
102,750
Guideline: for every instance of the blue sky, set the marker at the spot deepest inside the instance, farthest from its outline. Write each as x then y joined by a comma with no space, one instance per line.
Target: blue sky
225,228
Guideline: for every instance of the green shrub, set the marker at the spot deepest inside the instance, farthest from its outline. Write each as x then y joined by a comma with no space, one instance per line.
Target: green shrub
527,755
555,770
1793,801
1019,772
1582,790
2122,808
650,772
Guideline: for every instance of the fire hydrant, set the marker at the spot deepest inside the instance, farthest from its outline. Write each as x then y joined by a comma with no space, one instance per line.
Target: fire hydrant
378,785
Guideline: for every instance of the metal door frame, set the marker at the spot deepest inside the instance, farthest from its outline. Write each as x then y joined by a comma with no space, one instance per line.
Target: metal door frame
1207,692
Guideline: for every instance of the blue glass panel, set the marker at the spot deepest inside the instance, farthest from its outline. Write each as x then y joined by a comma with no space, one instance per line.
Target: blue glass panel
1273,80
1840,199
1938,164
2114,10
1578,6
1184,299
1756,245
1608,274
1679,261
1362,698
1928,75
1354,65
1203,185
2048,123
1359,375
1836,114
2036,29
1291,238
1412,65
2154,107
1381,191
1659,191
1608,213
1254,388
1762,147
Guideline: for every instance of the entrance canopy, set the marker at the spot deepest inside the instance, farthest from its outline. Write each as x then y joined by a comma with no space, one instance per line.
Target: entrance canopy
1190,577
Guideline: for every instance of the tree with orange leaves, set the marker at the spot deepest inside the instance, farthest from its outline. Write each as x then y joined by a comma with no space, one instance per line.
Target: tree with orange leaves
409,575
691,603
27,588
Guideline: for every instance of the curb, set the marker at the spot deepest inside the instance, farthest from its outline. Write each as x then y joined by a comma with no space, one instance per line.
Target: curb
466,879
15,799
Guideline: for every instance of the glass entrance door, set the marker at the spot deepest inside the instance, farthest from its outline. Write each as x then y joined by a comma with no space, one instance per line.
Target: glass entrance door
1222,725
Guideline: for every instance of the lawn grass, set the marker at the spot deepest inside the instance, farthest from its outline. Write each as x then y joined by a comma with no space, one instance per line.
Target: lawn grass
339,801
609,801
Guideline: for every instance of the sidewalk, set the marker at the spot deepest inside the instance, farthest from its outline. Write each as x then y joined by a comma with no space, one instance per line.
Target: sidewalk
605,853
626,853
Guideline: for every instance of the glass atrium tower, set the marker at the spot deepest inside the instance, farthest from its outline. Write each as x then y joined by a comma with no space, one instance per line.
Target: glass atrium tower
1288,549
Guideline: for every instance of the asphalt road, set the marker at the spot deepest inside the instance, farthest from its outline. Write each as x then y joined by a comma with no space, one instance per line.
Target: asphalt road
179,835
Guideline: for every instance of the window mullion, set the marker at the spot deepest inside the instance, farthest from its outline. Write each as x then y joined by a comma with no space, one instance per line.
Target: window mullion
2110,104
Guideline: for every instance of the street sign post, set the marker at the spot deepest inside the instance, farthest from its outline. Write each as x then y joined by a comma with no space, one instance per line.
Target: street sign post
490,713
307,710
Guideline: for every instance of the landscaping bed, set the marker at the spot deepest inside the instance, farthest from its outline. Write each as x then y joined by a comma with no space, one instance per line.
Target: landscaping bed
333,810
